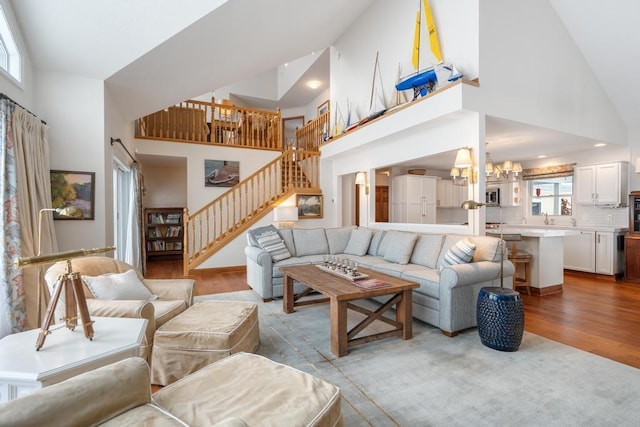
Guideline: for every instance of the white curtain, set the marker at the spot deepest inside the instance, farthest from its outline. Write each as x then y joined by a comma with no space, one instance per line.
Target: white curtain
132,252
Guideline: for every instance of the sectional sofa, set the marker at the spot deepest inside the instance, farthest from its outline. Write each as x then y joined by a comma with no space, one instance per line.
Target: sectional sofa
451,269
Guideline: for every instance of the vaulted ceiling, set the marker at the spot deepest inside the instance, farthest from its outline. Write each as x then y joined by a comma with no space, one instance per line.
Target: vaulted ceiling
140,46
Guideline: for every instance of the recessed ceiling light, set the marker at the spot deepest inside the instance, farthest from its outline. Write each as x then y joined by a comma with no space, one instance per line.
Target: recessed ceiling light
599,144
542,156
314,84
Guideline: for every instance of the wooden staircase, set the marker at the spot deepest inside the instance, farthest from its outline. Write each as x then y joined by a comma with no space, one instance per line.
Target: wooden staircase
228,216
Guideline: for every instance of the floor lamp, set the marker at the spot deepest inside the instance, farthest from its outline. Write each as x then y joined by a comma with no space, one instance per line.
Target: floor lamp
499,311
69,212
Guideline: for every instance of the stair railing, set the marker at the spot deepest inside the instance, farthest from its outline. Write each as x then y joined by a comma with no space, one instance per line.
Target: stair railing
226,217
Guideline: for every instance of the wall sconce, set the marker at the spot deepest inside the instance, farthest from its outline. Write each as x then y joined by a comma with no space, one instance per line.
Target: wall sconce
460,177
285,216
361,180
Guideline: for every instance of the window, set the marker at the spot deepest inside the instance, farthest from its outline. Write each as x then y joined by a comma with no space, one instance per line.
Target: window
10,60
551,196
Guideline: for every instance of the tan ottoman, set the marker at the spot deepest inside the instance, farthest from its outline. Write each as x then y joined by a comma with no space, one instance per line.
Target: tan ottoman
253,389
205,332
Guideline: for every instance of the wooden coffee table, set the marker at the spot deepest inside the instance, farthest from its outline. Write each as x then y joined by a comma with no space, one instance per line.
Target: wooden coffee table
340,293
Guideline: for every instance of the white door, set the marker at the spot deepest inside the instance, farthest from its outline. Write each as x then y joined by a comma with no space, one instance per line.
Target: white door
604,253
607,184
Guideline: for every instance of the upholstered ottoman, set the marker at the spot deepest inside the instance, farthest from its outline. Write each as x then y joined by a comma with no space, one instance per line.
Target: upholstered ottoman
254,389
205,332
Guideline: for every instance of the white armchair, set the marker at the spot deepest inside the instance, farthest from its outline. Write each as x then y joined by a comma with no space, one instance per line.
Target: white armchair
170,296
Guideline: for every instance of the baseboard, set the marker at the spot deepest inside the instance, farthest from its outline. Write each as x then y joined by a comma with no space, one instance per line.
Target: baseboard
228,269
547,290
597,276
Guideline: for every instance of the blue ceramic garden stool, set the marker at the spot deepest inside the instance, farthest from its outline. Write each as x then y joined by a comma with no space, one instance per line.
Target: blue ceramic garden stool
500,316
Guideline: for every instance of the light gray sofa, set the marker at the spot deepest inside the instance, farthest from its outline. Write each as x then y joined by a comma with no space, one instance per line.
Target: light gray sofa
447,294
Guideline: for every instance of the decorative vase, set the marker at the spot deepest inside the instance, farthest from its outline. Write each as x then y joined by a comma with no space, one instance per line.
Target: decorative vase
500,316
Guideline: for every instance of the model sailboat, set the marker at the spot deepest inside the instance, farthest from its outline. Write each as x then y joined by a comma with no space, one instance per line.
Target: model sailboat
424,82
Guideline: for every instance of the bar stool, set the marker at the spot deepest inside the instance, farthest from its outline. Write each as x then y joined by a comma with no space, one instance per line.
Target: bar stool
524,259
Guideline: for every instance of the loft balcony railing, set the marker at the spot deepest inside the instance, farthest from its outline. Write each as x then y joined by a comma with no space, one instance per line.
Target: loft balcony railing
226,217
313,134
216,124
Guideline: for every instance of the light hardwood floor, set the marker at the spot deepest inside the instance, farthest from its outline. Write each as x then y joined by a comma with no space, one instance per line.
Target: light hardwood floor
592,314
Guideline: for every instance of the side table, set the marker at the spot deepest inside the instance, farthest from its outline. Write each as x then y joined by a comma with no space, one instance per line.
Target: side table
500,316
64,354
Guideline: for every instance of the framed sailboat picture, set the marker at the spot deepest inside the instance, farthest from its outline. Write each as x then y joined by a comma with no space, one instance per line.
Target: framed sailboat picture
323,108
221,173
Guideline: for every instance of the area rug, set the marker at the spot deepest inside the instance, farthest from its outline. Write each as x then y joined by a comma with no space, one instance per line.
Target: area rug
434,380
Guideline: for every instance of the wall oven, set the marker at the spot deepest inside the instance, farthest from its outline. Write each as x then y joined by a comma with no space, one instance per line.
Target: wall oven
493,195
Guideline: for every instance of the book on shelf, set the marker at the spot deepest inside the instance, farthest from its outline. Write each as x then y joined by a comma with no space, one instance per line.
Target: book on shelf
173,231
173,218
155,218
371,283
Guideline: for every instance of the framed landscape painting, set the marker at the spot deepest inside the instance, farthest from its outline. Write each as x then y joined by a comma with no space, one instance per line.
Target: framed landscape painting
73,189
309,205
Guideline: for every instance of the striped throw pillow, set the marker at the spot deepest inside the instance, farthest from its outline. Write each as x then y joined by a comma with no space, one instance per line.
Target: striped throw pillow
272,243
460,253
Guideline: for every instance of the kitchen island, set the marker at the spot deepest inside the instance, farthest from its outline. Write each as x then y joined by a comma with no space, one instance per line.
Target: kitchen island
547,256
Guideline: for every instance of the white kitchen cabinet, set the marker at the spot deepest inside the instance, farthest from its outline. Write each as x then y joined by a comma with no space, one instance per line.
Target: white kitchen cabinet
579,251
593,252
413,199
604,184
449,194
510,193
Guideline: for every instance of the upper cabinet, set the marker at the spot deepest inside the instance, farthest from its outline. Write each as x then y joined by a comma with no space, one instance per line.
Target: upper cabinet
510,193
604,184
450,195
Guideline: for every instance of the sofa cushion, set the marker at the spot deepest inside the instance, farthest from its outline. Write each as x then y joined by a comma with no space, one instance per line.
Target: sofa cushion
118,286
375,242
487,248
460,253
271,242
164,310
337,238
310,241
428,278
359,241
399,247
287,237
427,249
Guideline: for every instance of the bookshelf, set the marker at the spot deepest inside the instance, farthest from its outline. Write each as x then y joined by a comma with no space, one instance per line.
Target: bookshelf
163,232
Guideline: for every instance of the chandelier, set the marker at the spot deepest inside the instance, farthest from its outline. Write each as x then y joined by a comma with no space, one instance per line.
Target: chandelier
507,170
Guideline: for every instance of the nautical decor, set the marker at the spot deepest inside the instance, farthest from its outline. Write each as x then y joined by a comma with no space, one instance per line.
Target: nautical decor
424,82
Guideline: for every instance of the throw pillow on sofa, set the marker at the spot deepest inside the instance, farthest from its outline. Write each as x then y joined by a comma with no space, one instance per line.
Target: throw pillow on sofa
359,242
118,286
271,242
460,253
399,246
310,241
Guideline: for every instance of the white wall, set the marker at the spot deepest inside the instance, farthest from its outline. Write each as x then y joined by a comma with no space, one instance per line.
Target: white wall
73,106
166,187
532,72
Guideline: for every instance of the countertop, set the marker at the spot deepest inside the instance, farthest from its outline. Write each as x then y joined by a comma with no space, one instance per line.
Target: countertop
567,229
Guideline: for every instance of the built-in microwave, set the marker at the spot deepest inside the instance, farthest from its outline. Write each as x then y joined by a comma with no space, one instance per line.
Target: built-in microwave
493,195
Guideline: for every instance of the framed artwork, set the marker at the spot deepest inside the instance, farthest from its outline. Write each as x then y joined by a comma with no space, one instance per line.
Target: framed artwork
221,173
76,189
323,108
309,205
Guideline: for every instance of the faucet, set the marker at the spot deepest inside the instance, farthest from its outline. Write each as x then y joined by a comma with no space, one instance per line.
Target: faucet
546,219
